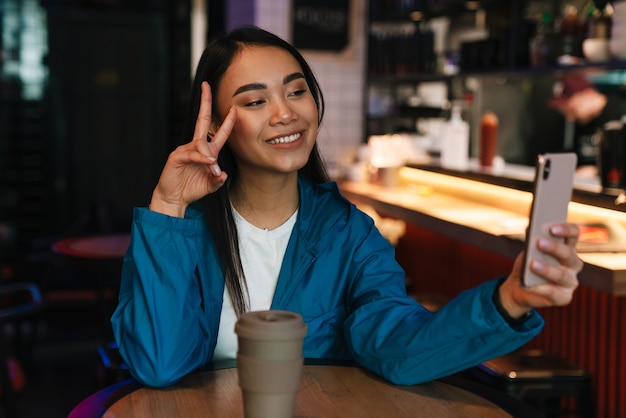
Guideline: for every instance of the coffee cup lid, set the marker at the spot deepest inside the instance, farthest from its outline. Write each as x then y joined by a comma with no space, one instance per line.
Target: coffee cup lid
272,324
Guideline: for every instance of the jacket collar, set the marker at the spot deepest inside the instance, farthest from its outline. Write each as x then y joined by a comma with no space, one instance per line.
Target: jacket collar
321,209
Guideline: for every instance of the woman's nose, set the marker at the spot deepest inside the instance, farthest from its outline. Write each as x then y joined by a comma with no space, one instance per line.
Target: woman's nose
282,112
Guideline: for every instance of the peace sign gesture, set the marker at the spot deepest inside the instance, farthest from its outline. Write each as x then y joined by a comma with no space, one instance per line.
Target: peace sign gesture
191,171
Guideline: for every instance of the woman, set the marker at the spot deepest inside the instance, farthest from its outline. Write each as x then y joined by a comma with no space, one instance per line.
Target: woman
243,218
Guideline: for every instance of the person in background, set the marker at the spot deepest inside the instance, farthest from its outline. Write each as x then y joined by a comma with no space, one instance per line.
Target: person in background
585,109
244,218
577,99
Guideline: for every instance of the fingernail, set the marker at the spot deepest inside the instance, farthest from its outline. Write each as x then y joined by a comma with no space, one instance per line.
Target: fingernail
557,229
215,169
544,244
538,265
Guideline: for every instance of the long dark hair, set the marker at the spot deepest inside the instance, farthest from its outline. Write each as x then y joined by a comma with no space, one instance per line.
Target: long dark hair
215,60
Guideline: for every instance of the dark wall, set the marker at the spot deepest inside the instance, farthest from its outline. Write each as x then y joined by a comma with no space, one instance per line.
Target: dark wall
119,80
78,159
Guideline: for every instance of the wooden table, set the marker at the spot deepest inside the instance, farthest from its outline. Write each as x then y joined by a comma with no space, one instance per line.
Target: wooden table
97,260
325,391
100,254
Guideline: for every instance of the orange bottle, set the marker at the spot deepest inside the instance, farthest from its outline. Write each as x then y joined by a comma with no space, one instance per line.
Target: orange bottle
488,139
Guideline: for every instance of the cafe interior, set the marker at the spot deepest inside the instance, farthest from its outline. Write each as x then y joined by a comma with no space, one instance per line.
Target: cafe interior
436,111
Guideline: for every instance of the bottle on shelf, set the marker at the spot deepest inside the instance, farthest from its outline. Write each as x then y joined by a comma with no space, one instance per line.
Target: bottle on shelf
455,141
540,44
488,139
571,32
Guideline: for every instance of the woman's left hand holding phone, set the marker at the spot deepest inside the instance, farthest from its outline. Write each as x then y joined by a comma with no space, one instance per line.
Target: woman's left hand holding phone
561,280
191,171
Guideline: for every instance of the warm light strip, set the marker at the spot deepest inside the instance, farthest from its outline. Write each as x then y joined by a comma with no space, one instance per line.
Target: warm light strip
498,196
489,194
588,212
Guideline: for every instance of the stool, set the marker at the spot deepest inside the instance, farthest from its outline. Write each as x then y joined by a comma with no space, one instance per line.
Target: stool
539,379
114,368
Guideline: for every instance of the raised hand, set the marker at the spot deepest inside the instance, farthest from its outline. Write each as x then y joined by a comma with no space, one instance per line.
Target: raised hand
191,171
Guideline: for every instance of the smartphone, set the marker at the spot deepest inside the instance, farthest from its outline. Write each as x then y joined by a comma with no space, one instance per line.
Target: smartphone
552,192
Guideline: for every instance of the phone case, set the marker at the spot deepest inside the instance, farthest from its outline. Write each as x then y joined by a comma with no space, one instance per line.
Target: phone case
554,176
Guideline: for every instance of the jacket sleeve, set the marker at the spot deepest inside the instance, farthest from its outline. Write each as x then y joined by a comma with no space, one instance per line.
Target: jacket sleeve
160,323
400,340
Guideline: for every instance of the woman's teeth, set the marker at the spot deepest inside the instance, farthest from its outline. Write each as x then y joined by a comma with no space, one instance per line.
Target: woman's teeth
284,139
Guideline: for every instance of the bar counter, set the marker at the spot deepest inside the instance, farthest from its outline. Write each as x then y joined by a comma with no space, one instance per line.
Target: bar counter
487,216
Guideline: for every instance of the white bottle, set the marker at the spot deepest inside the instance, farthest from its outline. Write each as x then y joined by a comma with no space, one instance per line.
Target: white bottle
455,141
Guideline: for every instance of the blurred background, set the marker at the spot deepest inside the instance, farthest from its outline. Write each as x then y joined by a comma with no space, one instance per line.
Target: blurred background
92,98
93,95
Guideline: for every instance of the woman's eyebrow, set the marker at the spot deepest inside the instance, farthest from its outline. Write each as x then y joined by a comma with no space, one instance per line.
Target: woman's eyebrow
260,86
248,87
289,78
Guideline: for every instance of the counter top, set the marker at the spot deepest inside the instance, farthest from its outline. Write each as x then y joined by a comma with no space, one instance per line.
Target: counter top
587,190
487,216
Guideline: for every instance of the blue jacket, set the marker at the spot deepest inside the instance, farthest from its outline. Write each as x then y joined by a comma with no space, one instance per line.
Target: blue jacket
338,272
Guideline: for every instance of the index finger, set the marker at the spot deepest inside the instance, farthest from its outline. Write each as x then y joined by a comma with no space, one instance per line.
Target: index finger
222,134
203,122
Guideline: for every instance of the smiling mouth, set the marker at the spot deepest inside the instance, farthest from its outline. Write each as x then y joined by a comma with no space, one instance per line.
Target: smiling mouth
285,139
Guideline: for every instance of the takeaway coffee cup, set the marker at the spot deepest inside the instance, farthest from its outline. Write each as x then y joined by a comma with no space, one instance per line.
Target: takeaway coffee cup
269,362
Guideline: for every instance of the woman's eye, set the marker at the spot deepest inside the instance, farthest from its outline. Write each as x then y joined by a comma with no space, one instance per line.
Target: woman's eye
255,103
298,92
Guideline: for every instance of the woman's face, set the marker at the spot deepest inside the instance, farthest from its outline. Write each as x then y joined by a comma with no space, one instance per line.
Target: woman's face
277,119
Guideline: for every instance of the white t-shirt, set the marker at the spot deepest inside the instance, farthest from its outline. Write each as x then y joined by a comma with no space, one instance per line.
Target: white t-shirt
262,253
